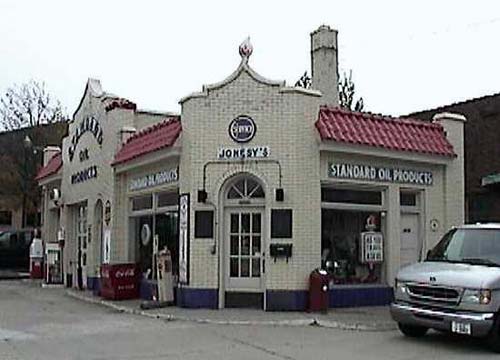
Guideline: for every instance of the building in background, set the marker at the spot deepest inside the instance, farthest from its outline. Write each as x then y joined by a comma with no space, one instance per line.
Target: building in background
253,186
482,155
21,157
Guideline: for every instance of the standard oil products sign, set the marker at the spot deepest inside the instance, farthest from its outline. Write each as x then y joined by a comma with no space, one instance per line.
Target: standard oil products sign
90,125
150,180
374,173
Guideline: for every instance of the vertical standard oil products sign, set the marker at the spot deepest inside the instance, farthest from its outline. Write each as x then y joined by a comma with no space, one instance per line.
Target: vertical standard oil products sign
373,173
184,239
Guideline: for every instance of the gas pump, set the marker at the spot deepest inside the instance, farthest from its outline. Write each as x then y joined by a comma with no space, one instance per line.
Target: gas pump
53,264
36,258
165,280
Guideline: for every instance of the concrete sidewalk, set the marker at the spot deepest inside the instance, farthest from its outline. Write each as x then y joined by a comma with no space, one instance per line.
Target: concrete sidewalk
360,319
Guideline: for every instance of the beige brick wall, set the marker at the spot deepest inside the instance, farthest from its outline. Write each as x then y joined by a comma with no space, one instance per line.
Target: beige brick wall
285,123
100,188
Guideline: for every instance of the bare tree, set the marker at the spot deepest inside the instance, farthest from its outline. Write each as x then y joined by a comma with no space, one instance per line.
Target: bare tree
28,105
347,90
304,81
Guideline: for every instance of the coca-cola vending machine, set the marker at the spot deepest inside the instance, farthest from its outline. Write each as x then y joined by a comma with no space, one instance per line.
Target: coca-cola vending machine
119,281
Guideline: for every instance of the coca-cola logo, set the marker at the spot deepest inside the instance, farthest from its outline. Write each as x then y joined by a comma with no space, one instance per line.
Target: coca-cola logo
124,273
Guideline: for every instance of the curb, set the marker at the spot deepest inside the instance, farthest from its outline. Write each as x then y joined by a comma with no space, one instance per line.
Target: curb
295,322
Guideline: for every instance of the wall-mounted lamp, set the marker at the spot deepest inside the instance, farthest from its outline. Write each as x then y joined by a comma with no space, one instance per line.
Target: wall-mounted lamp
202,196
280,194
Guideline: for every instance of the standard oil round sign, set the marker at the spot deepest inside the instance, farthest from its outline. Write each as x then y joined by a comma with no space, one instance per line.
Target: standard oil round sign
242,129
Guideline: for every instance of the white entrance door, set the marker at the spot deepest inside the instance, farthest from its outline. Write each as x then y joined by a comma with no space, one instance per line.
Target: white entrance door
244,250
410,240
81,236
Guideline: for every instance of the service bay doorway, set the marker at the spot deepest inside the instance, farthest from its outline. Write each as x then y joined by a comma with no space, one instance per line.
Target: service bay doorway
81,239
410,242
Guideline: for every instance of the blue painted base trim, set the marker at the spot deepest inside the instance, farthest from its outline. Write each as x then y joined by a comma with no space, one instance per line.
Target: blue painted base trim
147,289
197,298
92,283
352,296
286,300
360,296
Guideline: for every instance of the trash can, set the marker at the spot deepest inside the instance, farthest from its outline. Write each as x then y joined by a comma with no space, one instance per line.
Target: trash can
318,291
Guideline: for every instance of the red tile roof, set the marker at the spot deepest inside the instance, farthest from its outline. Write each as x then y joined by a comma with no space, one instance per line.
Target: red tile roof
51,168
400,134
154,138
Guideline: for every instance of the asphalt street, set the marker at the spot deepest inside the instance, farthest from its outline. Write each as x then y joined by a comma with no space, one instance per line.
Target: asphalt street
45,324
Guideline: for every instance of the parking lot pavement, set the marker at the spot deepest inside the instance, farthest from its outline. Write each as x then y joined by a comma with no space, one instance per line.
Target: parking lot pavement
43,323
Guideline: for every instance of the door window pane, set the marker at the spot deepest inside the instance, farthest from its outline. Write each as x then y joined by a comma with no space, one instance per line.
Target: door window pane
245,223
234,245
256,267
234,223
255,245
233,267
245,267
245,245
233,194
256,223
407,199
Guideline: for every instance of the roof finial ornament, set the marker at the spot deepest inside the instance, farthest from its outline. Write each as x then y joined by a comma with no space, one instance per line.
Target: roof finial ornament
246,48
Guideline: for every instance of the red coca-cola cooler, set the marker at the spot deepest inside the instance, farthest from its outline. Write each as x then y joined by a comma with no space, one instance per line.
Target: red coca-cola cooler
120,281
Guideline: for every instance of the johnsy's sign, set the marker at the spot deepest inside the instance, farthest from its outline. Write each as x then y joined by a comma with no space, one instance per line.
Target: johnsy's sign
373,173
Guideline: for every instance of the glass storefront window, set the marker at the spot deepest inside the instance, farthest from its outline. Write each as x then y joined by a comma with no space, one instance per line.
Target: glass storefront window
341,244
364,197
170,198
142,203
165,225
144,243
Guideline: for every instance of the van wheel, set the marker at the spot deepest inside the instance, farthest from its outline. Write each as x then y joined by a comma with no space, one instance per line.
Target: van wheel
493,338
412,330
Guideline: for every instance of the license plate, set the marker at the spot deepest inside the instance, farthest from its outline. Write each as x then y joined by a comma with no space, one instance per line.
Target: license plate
461,328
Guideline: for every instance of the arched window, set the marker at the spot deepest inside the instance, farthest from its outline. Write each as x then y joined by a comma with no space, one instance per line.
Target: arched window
245,188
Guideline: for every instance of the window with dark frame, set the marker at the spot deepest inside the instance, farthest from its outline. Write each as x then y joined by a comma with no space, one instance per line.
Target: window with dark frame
204,224
407,199
365,197
281,223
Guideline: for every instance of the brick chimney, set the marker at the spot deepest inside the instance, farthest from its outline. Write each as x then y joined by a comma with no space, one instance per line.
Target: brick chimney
324,64
454,179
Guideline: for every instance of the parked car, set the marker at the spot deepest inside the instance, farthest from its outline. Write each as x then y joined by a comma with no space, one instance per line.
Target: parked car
15,247
457,287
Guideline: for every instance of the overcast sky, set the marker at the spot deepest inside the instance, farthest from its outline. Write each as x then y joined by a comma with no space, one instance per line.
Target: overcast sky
405,56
